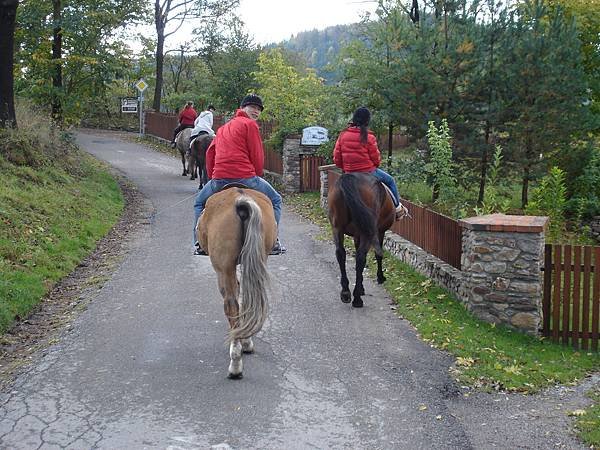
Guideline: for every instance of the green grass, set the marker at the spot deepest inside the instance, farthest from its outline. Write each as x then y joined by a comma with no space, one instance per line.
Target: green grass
488,357
588,421
55,203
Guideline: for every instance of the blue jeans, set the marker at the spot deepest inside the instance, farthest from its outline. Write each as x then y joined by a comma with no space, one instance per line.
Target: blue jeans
256,183
389,181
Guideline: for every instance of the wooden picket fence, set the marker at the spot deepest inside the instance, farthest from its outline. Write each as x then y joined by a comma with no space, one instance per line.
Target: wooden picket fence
571,299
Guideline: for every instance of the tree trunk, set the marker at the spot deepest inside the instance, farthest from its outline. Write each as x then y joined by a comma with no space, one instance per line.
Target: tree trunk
57,82
484,164
160,59
8,12
527,171
390,140
525,187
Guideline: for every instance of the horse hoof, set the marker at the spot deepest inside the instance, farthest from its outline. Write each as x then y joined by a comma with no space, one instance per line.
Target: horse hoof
184,174
357,303
235,376
345,297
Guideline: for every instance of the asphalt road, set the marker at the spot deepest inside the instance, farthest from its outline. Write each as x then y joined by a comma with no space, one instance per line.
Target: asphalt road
145,365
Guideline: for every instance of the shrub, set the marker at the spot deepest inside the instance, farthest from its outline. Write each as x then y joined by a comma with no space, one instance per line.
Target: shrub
549,199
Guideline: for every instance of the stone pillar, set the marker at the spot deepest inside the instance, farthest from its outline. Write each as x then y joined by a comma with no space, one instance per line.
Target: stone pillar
324,177
291,163
502,259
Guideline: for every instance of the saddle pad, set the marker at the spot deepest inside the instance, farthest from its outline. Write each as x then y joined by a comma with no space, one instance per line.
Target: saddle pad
389,191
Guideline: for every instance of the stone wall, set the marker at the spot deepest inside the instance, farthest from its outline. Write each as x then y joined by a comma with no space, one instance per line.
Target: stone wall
443,274
502,266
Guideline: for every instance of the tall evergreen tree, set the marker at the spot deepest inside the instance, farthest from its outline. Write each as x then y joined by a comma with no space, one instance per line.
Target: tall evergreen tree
546,89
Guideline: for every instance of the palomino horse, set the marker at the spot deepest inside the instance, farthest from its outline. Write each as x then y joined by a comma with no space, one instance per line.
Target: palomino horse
238,227
197,158
182,143
359,206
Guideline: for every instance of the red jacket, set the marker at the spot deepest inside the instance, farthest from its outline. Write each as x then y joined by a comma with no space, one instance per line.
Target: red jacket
351,155
237,149
187,116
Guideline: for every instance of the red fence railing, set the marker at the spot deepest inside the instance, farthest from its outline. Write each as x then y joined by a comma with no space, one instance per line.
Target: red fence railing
310,179
435,233
162,125
571,300
273,161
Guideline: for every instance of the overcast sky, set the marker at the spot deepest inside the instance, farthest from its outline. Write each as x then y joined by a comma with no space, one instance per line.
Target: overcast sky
276,20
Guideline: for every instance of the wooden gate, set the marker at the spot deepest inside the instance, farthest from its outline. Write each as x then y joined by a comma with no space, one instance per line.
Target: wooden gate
309,172
571,300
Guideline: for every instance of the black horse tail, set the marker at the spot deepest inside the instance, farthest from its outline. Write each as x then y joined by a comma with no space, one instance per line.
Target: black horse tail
361,215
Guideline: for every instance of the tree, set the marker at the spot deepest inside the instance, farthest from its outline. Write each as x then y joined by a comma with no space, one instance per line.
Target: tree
69,51
545,89
169,16
586,14
293,100
8,12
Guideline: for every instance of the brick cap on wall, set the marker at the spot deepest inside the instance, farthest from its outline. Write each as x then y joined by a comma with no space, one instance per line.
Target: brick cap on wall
506,223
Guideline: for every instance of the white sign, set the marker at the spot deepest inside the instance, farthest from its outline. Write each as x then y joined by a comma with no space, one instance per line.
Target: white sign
314,136
129,105
141,85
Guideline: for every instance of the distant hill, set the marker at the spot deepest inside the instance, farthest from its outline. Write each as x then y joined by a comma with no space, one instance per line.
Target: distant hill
321,47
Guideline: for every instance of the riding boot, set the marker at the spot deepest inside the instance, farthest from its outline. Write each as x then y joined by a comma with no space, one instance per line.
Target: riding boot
278,248
401,212
199,251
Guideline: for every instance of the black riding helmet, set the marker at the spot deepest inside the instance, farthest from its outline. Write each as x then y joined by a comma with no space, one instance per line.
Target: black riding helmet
252,99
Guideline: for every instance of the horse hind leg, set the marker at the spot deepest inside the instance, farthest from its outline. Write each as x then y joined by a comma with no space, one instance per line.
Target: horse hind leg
229,288
379,258
340,254
361,260
248,345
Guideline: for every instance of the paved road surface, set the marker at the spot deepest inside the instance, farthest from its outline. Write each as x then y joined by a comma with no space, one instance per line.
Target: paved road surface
144,366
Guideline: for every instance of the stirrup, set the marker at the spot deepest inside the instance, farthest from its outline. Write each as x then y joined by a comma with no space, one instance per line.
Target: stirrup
402,212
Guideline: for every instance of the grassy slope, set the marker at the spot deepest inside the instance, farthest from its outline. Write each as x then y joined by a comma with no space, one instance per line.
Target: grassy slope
55,203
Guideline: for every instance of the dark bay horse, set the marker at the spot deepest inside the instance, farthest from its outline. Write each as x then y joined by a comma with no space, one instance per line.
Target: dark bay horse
197,158
238,228
360,207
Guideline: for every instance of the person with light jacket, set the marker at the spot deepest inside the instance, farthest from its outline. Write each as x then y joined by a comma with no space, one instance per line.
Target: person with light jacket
203,123
356,151
236,155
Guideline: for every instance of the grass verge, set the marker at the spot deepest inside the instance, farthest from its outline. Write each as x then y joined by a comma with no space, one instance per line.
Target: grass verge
55,203
488,357
588,421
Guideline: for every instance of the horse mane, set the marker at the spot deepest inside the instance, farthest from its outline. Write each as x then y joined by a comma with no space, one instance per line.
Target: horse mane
361,215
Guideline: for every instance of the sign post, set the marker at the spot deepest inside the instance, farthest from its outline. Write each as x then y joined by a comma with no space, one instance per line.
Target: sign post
141,87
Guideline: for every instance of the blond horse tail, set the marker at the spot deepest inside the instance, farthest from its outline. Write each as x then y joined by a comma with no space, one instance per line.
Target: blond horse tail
254,305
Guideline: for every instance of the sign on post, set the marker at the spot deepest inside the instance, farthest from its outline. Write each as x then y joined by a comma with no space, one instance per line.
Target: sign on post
129,105
141,87
314,136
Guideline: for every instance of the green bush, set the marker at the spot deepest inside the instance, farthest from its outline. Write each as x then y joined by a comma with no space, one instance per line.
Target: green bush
550,199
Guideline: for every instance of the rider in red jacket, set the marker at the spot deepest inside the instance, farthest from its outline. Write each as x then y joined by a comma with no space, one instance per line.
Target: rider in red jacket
187,116
356,151
236,155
